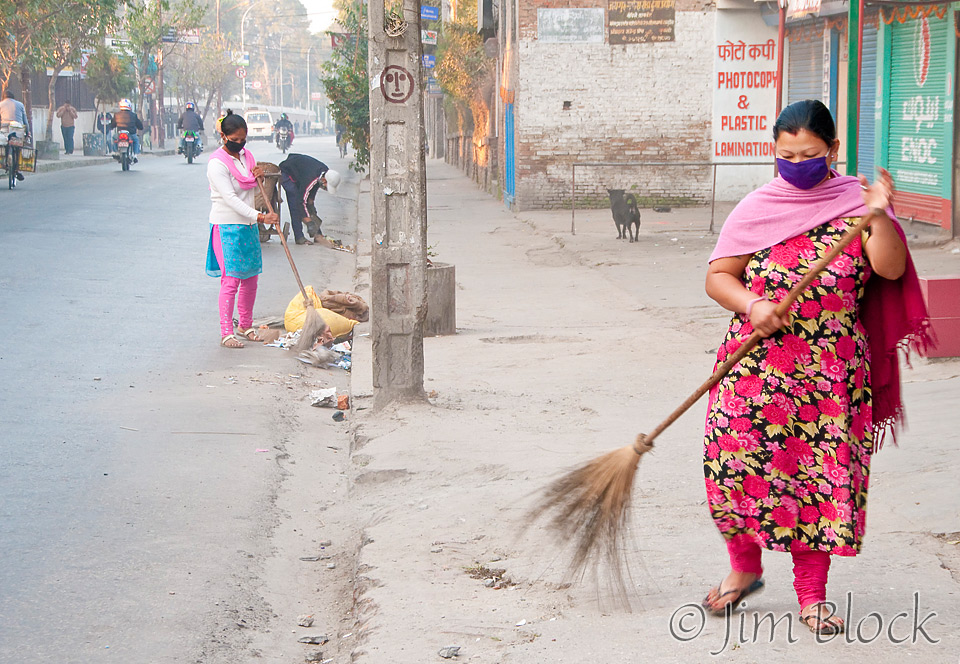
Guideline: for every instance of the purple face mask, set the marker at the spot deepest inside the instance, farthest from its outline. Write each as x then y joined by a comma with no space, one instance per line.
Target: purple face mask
805,174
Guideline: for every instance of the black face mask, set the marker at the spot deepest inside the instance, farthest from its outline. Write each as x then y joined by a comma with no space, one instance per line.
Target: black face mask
234,146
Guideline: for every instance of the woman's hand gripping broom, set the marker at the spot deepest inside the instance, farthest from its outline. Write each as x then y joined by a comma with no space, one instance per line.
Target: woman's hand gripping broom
313,324
589,504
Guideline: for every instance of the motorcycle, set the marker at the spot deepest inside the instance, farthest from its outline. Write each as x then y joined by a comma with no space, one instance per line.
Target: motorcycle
283,139
191,145
124,153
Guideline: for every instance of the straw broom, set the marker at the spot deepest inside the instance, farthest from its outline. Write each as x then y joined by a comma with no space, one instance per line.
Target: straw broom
589,504
313,324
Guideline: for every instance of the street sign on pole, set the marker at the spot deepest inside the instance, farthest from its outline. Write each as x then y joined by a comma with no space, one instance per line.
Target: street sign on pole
256,85
316,96
428,36
241,58
241,72
428,13
429,61
188,36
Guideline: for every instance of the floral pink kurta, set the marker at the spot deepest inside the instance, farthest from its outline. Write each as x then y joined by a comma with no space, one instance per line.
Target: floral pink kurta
789,431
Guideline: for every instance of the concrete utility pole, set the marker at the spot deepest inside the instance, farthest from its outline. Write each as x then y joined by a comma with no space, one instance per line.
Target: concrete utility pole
399,204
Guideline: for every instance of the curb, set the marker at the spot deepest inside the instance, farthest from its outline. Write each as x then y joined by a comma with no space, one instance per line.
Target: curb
361,375
54,166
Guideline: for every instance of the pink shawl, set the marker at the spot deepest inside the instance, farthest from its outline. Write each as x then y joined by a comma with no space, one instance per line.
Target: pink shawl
893,313
245,181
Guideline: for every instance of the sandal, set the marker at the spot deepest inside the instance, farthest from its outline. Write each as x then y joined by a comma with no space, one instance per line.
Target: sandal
237,342
829,626
247,332
740,594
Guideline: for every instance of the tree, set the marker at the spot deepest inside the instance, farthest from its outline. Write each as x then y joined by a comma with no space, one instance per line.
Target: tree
24,26
80,25
200,70
465,73
110,75
346,84
147,24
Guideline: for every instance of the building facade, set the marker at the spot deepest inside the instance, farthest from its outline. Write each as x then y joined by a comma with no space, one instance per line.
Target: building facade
624,82
621,87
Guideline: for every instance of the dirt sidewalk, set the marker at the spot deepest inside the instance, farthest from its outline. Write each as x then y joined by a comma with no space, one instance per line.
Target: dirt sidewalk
567,346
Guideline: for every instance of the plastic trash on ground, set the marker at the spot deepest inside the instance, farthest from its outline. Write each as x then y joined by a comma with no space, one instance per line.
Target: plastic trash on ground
325,398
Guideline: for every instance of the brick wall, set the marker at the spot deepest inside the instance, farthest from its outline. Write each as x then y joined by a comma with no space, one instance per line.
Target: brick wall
642,102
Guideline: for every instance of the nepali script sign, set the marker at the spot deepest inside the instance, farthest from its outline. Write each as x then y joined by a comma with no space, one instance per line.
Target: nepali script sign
743,51
641,21
570,26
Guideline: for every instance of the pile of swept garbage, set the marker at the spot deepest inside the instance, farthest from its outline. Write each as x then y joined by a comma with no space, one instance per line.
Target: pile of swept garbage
340,311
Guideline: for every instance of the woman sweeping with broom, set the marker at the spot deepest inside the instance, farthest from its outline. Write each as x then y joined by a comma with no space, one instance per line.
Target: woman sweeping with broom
791,428
233,250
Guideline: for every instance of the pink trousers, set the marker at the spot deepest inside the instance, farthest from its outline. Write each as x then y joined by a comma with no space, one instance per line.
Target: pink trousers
810,568
243,292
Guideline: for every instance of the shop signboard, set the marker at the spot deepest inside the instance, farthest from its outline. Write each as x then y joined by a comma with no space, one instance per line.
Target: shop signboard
919,116
641,21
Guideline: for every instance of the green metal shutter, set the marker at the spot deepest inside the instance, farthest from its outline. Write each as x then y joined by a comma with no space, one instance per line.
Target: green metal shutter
918,152
866,142
805,70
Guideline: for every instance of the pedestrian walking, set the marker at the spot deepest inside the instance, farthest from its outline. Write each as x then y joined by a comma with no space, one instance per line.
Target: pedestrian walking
791,429
233,249
68,117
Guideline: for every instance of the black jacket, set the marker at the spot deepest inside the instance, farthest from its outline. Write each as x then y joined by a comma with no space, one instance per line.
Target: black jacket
103,118
301,174
302,168
125,120
190,120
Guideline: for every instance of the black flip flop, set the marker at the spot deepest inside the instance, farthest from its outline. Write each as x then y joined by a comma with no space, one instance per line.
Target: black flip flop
741,595
823,626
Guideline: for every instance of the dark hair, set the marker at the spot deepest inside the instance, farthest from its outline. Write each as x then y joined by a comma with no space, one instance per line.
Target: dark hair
232,122
9,93
809,114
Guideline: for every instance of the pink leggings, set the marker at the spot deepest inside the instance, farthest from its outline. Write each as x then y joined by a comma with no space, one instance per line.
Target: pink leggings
241,291
809,568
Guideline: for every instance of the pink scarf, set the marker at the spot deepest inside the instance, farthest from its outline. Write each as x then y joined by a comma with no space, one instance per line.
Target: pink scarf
893,313
245,181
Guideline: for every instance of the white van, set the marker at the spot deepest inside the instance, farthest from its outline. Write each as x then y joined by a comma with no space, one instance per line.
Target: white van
259,124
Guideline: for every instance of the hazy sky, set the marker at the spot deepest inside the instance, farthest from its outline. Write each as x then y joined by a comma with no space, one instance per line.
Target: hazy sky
321,13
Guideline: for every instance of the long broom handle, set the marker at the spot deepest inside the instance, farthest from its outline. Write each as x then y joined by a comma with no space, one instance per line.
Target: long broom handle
754,338
303,291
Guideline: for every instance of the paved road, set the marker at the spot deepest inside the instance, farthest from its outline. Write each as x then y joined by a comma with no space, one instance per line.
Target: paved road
134,506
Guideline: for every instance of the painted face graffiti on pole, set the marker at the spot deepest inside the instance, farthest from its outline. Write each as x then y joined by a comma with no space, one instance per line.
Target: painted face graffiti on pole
396,84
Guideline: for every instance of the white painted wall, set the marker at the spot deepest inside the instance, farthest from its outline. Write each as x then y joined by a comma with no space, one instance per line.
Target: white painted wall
635,103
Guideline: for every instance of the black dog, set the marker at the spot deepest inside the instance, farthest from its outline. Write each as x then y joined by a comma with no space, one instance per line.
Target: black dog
625,214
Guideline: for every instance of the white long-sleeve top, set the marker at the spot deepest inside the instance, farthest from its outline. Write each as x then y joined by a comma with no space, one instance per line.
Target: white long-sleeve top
231,203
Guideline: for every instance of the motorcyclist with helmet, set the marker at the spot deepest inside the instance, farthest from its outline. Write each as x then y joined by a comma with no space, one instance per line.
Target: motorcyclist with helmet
126,120
190,120
283,122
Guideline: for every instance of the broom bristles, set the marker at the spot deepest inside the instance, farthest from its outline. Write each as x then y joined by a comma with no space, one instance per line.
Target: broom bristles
589,507
313,326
